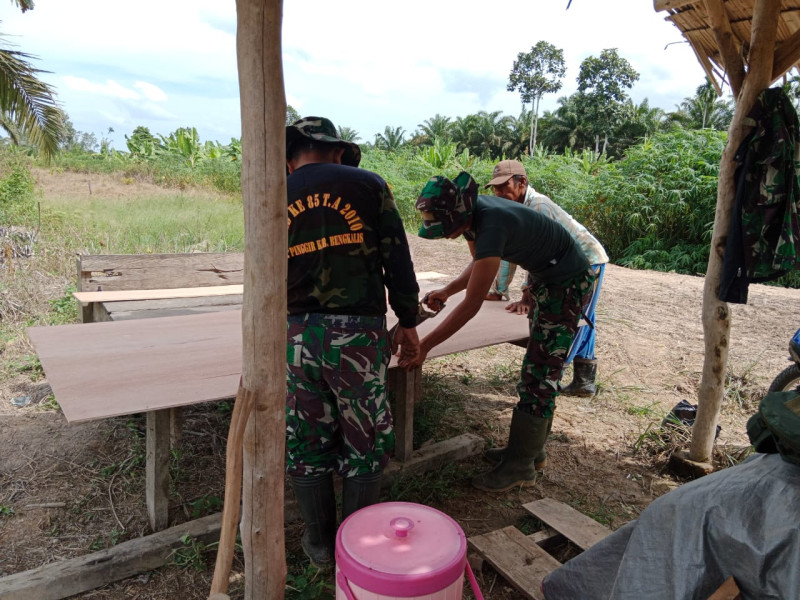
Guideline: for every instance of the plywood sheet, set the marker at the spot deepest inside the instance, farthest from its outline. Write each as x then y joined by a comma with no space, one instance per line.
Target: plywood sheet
100,370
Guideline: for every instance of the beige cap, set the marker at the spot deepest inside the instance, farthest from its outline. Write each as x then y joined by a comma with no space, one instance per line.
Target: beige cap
505,170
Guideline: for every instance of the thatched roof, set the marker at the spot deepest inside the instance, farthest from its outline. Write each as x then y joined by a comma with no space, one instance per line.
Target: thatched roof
719,33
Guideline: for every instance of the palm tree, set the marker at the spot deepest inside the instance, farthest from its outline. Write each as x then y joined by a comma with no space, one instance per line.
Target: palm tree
435,128
28,107
564,128
348,134
391,139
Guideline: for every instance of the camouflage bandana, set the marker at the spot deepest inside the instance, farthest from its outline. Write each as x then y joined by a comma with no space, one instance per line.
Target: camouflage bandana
322,130
446,205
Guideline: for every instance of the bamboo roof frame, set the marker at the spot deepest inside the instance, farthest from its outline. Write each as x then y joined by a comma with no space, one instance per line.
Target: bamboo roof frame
719,32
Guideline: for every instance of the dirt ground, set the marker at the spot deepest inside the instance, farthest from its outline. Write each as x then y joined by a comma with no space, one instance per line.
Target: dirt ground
67,490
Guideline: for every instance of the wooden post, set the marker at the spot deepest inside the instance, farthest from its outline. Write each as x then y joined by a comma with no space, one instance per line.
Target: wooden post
716,315
263,108
157,468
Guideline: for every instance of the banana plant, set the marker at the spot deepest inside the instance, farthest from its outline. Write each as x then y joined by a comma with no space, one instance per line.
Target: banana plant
185,143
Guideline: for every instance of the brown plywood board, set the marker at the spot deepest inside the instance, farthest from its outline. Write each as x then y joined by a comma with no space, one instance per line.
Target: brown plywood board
100,370
581,530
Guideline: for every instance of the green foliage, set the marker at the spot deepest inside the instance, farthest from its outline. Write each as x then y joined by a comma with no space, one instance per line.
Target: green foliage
190,555
6,511
661,196
17,200
602,85
64,310
309,583
205,505
534,74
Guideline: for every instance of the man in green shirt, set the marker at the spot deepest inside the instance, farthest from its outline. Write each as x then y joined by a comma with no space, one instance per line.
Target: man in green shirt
559,285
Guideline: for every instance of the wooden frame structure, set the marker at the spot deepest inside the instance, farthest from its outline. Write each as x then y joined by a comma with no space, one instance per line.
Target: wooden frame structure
749,44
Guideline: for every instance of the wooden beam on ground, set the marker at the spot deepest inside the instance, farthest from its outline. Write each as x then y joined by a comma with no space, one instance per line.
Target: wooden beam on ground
517,558
581,530
435,456
76,575
726,43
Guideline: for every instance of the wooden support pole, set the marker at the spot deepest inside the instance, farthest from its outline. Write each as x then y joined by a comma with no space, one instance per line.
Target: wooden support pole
157,468
404,386
716,314
263,109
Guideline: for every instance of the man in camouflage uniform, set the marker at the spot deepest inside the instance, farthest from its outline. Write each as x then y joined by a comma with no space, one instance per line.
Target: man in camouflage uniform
347,246
510,181
559,286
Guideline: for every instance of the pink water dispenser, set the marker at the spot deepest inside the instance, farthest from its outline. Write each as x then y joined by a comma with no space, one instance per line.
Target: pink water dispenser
402,550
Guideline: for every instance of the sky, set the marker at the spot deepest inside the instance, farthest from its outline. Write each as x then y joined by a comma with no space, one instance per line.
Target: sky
366,65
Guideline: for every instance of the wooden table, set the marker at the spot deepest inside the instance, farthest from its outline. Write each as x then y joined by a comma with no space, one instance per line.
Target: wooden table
108,369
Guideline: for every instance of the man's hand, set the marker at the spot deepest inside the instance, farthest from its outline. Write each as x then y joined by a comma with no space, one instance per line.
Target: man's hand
405,345
411,363
518,307
521,307
435,300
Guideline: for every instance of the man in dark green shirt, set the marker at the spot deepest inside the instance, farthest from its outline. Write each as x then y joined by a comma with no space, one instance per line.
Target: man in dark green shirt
559,285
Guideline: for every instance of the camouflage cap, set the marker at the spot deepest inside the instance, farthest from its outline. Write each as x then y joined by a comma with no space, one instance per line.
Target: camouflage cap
446,205
322,130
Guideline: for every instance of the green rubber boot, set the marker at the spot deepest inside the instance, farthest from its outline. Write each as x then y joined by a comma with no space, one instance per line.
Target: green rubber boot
584,373
495,455
523,458
317,503
360,491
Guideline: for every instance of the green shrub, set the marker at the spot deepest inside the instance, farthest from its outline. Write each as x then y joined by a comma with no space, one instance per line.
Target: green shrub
17,199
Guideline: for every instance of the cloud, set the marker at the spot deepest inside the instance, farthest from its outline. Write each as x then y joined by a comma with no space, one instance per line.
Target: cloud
110,88
463,81
150,91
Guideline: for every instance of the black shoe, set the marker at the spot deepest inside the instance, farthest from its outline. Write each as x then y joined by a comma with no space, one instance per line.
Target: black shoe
584,374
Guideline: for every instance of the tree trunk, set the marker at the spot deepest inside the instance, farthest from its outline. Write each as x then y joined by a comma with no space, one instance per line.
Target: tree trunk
716,316
534,123
263,109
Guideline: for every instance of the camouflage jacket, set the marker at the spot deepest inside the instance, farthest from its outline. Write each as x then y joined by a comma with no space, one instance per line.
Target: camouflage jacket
347,245
764,234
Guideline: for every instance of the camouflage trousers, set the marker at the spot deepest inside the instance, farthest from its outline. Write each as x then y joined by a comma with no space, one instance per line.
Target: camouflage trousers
337,410
554,315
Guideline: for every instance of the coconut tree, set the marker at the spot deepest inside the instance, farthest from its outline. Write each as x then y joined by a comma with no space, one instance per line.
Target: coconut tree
391,139
28,109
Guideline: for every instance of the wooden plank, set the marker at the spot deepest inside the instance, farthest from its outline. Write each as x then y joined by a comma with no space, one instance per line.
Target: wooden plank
434,456
157,294
581,530
69,577
157,468
518,559
147,271
404,387
100,370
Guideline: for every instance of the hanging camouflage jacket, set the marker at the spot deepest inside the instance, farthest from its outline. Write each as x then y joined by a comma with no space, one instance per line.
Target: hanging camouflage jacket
764,234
